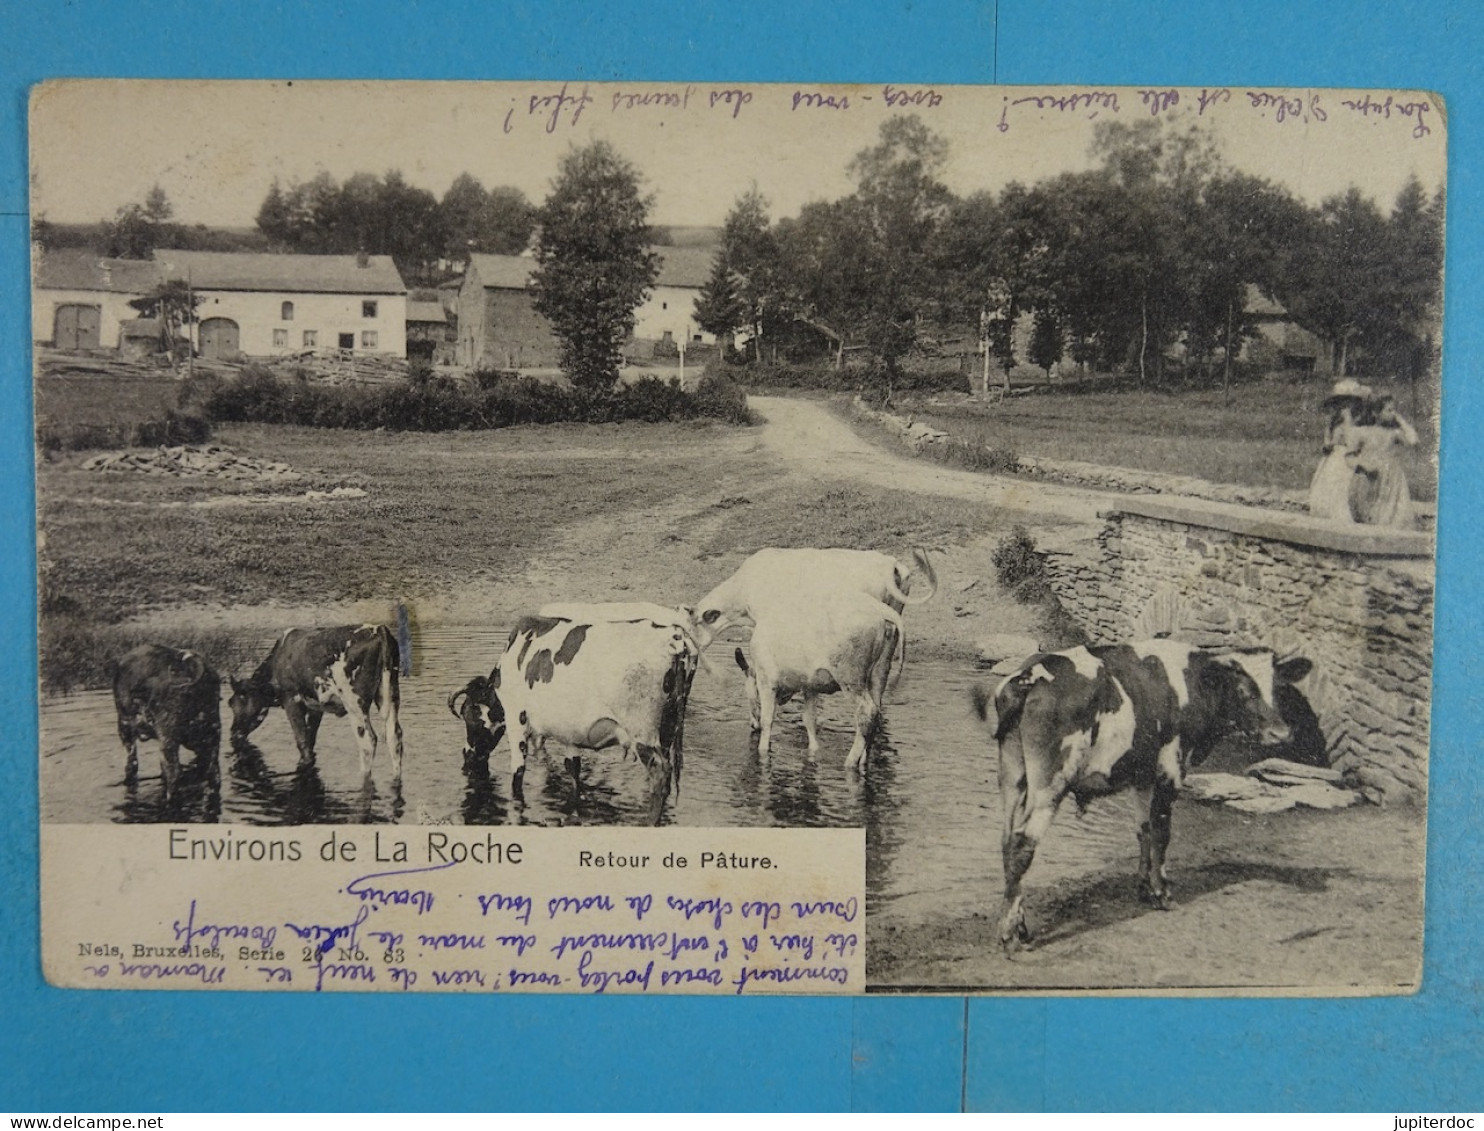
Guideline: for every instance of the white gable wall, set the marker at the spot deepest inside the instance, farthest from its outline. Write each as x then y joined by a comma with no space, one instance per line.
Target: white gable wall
259,313
114,308
673,309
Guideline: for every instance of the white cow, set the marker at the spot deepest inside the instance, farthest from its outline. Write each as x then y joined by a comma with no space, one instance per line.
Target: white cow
822,607
812,648
592,684
773,578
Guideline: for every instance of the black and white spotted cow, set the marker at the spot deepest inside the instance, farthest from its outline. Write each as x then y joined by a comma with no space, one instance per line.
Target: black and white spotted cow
175,697
1093,721
594,683
339,671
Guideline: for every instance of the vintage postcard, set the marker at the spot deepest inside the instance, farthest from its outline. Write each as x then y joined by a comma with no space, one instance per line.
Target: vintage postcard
725,538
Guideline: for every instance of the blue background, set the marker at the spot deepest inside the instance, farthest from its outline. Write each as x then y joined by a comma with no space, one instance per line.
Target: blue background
81,1051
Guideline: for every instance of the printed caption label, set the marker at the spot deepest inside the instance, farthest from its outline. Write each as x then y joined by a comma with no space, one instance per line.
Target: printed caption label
452,908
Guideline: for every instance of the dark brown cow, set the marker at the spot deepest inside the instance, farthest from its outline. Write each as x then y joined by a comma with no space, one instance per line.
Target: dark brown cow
311,671
1093,721
175,697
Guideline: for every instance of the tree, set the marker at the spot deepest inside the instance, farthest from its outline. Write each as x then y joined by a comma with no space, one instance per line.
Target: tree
1047,344
902,202
132,234
719,307
594,266
1340,272
750,246
498,221
157,206
275,216
174,304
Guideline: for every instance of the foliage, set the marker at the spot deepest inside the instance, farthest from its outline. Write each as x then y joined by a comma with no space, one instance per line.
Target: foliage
719,307
174,304
386,215
137,229
475,219
436,403
1046,345
594,266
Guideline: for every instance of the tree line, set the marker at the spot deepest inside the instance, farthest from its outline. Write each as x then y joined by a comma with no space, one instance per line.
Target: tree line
1141,265
385,215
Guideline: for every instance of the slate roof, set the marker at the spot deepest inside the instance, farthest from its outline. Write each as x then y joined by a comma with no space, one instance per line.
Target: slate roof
684,266
423,311
505,272
79,269
263,271
1257,304
679,267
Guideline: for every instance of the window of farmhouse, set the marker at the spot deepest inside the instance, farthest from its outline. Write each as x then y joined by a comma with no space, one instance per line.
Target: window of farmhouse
368,339
280,338
287,314
311,339
368,309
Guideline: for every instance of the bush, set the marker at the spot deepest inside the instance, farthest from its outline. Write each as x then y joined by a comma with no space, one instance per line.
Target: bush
1021,571
435,403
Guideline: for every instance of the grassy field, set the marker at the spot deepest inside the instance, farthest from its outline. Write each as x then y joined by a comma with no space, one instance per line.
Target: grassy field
1267,434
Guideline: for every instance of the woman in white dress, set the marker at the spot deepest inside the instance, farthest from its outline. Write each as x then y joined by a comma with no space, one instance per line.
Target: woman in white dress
1330,489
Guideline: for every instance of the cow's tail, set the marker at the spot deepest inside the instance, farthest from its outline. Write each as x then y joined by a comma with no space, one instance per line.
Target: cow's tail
390,693
894,623
921,565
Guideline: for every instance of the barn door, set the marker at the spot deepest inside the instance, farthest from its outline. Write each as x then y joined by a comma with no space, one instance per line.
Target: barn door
77,327
219,338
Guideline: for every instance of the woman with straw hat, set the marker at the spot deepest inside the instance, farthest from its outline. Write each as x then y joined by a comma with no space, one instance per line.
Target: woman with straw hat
1330,489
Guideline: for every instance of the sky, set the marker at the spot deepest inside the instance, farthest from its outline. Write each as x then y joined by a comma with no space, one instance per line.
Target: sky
215,147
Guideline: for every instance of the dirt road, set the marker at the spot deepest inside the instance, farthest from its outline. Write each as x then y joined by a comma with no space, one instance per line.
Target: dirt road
814,443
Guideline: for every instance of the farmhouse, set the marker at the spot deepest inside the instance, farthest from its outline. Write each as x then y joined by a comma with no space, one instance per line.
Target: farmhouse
266,305
1280,341
670,311
499,326
81,299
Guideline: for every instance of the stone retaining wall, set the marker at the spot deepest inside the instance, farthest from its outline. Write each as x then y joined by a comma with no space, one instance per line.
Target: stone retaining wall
1357,601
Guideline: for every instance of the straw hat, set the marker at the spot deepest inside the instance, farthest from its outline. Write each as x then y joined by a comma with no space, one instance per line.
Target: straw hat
1347,389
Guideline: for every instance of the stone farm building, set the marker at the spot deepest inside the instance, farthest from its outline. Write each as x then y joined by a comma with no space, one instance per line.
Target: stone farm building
258,305
500,328
81,301
498,324
266,305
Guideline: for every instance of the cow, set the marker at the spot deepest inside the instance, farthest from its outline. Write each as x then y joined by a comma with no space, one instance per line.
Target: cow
312,671
814,647
594,683
1091,721
771,585
175,697
774,577
483,716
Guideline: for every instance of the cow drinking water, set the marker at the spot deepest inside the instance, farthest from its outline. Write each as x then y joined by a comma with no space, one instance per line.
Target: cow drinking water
596,682
1092,721
175,697
339,671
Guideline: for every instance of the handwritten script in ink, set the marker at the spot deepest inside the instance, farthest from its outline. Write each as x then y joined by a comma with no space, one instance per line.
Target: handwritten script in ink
595,911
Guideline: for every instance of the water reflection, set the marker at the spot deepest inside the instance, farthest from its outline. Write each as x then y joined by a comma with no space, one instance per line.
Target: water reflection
927,800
